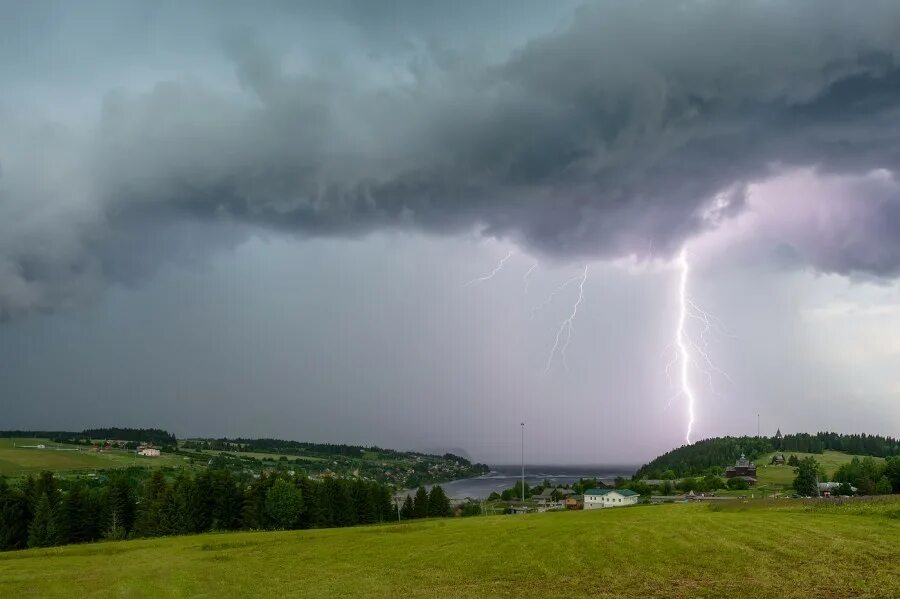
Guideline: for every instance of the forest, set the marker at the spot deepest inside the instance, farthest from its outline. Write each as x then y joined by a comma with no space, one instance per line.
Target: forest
44,510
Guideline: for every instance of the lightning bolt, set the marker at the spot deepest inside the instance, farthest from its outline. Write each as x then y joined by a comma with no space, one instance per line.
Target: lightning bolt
491,274
682,341
690,353
567,323
526,278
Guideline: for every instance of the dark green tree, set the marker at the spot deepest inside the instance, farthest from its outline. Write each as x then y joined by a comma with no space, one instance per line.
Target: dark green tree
420,503
738,484
40,531
438,503
117,515
408,510
883,486
14,518
807,477
284,504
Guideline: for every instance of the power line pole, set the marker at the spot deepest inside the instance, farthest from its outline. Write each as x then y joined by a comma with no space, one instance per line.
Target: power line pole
757,424
523,464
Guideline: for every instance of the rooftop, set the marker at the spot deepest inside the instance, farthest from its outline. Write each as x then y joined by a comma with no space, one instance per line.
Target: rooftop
622,492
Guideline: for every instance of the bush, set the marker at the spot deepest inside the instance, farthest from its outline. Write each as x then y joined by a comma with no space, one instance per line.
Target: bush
738,484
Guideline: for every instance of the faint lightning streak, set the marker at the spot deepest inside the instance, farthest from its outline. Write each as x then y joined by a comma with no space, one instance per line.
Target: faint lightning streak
682,342
490,275
567,325
550,297
526,278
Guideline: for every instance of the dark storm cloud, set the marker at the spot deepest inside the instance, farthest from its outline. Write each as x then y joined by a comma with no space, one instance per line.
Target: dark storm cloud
637,124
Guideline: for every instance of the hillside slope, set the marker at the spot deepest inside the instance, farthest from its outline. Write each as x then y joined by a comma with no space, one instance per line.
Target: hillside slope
645,551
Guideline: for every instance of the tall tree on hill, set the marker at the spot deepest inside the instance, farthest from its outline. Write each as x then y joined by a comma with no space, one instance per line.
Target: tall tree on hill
807,477
40,531
438,503
408,510
224,500
118,508
344,512
155,514
420,503
13,518
284,504
190,505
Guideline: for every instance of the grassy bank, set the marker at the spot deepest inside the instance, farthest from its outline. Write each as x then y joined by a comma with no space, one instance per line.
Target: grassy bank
777,549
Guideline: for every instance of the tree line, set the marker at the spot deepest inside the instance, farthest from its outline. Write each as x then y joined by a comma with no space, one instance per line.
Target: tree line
425,504
43,511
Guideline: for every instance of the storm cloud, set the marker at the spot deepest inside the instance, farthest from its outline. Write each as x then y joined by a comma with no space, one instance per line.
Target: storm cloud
634,125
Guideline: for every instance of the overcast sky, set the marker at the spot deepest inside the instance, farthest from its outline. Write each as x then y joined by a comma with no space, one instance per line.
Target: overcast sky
280,218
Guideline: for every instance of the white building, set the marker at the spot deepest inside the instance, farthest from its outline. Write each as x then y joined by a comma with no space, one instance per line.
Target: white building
150,452
598,498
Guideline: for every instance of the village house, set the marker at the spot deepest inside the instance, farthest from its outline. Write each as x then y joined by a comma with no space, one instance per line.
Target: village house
147,451
743,469
575,502
545,501
601,498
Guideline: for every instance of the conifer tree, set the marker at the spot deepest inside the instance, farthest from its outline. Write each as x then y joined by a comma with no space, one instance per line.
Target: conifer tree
438,503
420,503
39,532
408,510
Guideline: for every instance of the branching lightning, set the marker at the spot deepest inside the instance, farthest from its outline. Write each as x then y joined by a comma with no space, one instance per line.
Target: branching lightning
567,323
691,353
491,274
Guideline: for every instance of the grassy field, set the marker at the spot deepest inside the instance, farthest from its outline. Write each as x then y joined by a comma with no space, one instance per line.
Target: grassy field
16,460
774,476
759,549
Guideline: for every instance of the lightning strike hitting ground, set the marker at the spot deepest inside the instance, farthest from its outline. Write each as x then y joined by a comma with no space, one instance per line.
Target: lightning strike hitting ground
686,347
490,275
682,342
567,324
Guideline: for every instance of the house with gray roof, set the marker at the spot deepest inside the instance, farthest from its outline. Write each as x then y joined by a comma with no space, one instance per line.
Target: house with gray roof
602,498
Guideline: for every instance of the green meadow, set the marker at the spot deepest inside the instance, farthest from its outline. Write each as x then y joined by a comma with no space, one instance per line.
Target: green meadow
769,474
778,549
16,460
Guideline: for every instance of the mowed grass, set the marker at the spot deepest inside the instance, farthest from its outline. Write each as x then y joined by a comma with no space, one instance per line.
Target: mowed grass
767,474
18,461
675,550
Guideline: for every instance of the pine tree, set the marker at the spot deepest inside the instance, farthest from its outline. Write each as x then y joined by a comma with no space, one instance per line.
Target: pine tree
420,503
438,503
39,533
408,511
13,518
118,509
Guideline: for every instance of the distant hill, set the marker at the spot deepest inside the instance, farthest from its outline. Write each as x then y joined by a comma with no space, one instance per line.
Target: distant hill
710,456
136,435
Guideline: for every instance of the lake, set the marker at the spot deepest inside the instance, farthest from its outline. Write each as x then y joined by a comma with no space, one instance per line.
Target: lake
504,477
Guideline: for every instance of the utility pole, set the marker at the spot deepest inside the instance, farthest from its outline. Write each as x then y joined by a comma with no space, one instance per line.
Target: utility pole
757,424
523,464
